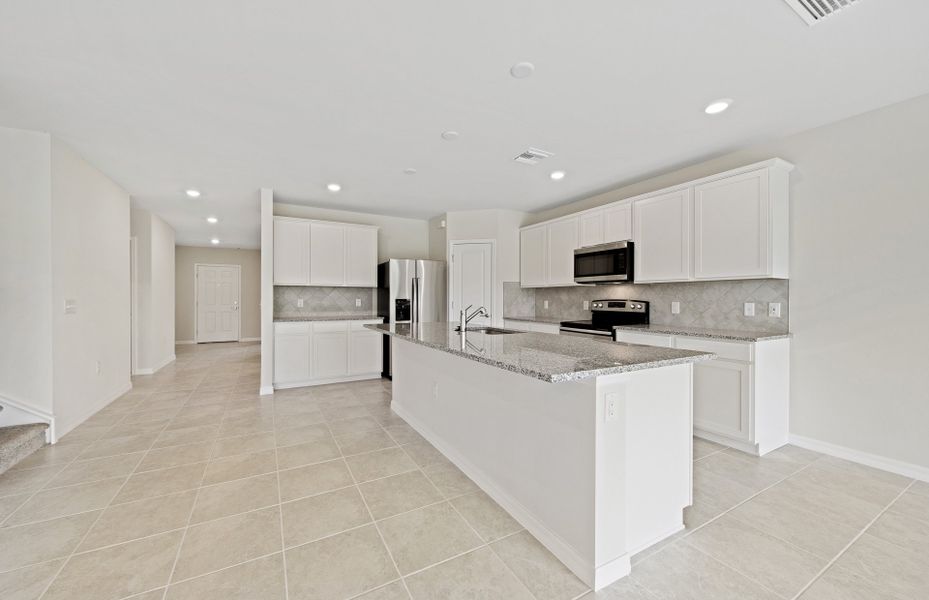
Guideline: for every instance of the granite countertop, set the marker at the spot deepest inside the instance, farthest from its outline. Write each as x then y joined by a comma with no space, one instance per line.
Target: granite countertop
546,356
548,320
329,317
716,334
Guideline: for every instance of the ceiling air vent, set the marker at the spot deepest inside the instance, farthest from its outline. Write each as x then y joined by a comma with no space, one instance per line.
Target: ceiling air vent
814,11
532,156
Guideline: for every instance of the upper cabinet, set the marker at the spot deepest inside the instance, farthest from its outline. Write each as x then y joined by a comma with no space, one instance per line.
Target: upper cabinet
661,231
322,253
546,255
731,225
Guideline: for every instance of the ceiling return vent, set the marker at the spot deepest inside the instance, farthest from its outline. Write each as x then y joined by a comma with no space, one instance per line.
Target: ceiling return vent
814,11
532,156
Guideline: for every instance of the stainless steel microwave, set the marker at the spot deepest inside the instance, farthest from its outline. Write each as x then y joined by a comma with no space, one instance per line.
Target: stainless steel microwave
604,263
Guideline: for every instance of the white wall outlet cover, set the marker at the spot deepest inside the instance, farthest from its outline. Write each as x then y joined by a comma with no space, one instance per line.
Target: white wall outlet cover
70,306
749,309
612,406
299,302
545,304
357,302
774,309
675,308
586,304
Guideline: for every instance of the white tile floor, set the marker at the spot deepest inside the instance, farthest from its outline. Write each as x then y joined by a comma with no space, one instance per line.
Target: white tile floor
193,486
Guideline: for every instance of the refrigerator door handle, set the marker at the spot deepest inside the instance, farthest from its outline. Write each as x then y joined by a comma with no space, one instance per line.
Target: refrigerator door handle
414,305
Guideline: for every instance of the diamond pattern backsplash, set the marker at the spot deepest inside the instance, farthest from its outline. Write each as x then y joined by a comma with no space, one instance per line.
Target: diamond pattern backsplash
710,304
322,301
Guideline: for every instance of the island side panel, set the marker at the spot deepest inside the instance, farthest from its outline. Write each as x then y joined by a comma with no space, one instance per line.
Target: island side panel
529,444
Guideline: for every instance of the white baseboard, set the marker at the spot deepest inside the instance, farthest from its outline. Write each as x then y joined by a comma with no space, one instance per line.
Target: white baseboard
63,426
871,460
155,369
312,382
184,342
266,390
588,573
257,339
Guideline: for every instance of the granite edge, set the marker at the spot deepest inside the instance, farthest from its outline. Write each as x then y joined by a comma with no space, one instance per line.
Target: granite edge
747,336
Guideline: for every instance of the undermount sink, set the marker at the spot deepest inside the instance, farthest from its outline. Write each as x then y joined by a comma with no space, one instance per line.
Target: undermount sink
489,330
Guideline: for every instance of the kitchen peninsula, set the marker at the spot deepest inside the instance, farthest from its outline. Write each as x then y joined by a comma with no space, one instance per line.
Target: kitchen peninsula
586,443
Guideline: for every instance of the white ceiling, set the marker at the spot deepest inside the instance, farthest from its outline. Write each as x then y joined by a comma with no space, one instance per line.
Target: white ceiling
229,96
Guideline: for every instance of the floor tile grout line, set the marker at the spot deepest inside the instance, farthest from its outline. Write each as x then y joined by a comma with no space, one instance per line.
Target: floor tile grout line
734,569
861,533
67,560
37,490
280,500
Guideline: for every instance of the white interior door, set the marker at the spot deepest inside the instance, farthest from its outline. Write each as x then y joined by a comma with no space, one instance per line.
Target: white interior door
472,279
218,303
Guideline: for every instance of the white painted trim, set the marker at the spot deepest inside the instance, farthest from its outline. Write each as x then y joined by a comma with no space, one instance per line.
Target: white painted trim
266,390
312,382
134,305
562,550
493,276
36,412
871,460
197,300
64,426
160,366
184,342
250,339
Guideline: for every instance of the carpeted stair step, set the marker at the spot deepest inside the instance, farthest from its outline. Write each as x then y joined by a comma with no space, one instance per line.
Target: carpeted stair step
19,441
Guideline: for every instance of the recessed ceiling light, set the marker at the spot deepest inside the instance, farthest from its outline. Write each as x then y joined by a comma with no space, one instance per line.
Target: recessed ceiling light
193,193
557,175
212,220
410,171
214,241
522,70
718,106
449,135
333,187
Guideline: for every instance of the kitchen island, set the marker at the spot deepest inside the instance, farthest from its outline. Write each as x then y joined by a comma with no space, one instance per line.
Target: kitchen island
586,443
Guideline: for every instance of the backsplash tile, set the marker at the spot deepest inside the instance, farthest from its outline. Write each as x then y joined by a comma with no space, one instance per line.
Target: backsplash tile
710,304
321,301
517,301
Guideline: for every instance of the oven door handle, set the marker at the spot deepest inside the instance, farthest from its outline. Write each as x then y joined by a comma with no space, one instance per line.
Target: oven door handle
587,331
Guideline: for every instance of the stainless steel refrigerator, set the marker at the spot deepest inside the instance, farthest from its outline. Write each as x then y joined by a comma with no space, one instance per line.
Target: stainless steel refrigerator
410,290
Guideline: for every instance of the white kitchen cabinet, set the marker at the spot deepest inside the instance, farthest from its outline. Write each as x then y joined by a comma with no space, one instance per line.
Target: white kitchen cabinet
320,352
617,223
533,257
562,241
661,230
360,256
590,228
741,399
327,254
291,251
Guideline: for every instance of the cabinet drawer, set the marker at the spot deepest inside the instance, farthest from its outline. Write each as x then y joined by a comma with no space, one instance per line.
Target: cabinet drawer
645,339
360,325
297,328
330,326
741,351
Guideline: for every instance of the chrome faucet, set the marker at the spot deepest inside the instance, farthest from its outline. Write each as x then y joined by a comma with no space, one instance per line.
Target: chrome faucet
464,318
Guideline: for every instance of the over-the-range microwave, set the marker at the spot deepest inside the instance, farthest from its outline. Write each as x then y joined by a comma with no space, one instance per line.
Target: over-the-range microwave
604,263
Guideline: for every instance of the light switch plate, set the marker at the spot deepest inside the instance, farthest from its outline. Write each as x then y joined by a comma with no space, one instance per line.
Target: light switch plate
774,309
749,309
675,308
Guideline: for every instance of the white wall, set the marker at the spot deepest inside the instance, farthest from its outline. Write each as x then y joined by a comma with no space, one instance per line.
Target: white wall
156,297
859,282
25,270
397,237
90,265
502,226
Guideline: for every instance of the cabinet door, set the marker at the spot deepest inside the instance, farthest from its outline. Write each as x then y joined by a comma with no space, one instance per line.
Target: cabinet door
591,229
533,259
722,398
330,354
360,257
365,353
327,254
617,223
731,227
562,241
291,252
291,358
662,237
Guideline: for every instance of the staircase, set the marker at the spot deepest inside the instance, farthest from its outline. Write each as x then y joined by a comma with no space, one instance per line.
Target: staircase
19,441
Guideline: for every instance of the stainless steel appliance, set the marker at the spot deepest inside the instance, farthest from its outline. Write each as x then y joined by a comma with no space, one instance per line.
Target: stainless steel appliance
410,290
605,314
604,263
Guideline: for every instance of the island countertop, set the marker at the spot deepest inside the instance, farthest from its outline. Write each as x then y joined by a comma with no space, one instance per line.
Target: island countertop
703,332
548,357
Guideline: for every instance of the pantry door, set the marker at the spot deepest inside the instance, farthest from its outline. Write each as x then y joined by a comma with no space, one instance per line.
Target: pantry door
217,302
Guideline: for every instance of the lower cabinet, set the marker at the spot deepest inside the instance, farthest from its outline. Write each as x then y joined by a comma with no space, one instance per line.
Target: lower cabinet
319,352
741,398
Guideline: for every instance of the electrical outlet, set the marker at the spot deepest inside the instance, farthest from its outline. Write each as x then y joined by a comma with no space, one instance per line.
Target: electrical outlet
774,309
98,367
70,306
586,304
749,309
299,302
545,304
675,308
612,410
357,302
435,389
